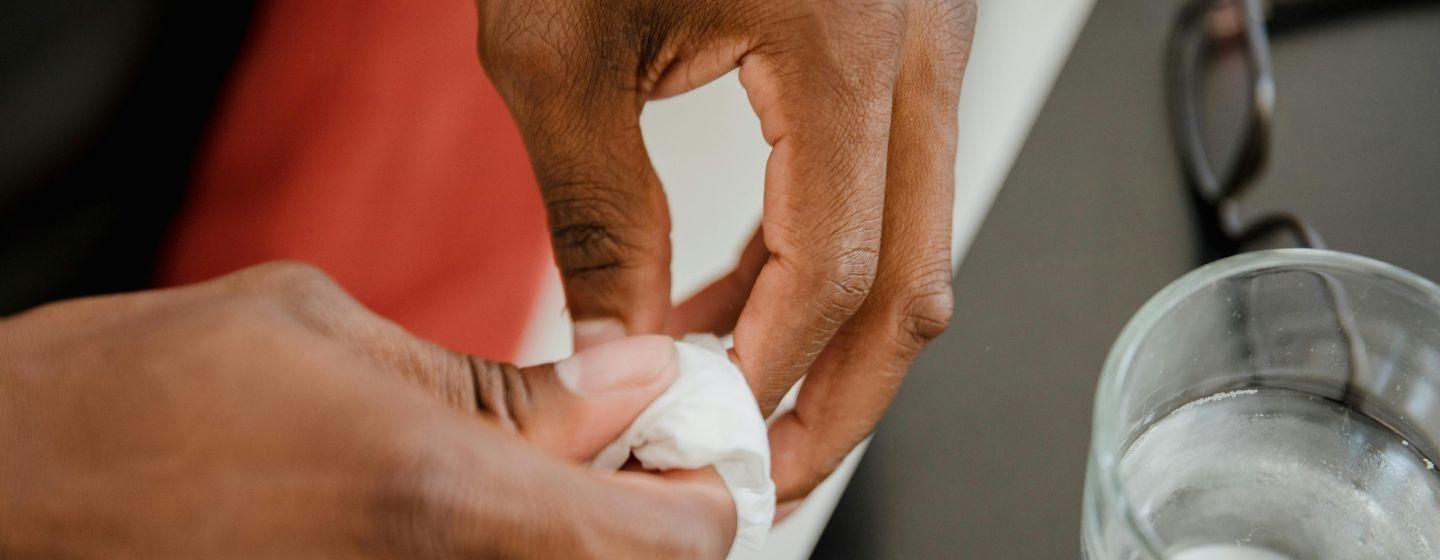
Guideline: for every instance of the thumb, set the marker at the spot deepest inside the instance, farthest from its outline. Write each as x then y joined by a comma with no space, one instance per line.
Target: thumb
575,407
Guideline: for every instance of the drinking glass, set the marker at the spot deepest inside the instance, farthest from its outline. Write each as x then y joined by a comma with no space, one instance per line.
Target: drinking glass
1273,405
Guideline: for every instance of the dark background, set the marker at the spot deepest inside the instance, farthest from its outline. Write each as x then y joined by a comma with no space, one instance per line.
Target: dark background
983,453
102,107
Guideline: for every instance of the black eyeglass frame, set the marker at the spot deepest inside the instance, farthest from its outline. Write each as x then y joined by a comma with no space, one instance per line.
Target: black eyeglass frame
1217,190
1250,23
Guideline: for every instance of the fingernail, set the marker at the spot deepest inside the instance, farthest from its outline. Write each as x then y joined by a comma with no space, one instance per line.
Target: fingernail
616,366
594,332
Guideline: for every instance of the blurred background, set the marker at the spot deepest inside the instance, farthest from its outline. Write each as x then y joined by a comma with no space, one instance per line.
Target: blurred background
983,453
150,142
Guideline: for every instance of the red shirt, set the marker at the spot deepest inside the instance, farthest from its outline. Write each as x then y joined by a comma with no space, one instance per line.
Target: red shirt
363,137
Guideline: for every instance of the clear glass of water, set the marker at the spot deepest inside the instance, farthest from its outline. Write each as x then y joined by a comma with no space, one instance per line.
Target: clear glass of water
1273,405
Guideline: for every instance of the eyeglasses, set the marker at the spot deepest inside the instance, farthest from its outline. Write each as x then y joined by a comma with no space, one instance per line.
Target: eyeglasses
1217,37
1221,100
1208,31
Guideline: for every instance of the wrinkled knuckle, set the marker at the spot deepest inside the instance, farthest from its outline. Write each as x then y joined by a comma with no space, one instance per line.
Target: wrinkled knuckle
849,276
590,229
927,312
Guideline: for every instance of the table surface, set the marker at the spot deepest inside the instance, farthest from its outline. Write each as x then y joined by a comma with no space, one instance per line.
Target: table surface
983,453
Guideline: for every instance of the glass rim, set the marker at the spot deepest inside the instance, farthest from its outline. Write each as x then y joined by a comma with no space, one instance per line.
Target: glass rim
1106,420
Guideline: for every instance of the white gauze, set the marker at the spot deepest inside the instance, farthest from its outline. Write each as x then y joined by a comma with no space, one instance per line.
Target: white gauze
707,417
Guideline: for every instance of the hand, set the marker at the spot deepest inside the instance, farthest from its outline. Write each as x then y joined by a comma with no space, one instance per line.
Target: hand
266,414
849,275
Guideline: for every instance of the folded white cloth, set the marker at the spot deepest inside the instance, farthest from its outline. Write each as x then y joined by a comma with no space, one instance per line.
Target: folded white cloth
708,417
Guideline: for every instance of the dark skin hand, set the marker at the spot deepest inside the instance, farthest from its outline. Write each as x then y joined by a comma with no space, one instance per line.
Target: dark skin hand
848,277
268,415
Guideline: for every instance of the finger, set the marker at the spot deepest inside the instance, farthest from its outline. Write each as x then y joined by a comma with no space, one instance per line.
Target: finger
572,408
575,407
824,107
716,307
609,223
859,372
783,511
477,495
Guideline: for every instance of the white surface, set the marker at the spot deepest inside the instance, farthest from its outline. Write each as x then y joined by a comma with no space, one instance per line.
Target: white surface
707,417
708,151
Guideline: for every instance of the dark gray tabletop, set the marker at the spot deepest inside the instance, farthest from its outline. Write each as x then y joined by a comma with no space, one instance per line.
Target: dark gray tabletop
983,453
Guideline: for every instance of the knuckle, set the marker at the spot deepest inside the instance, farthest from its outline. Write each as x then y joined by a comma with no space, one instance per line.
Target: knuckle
928,316
590,229
288,279
849,277
926,310
854,271
302,277
305,292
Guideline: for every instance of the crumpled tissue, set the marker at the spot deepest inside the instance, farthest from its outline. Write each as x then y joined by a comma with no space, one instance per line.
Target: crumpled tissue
708,417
